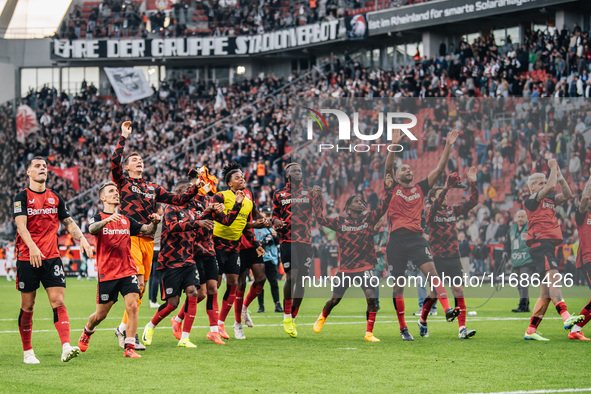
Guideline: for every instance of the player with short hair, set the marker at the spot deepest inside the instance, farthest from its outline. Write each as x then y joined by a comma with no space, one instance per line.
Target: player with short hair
357,255
583,221
543,234
177,263
117,272
443,239
238,203
292,217
406,242
139,200
38,212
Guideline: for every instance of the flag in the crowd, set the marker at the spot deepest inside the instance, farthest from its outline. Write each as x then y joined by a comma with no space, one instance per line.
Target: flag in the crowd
220,101
130,84
70,174
26,123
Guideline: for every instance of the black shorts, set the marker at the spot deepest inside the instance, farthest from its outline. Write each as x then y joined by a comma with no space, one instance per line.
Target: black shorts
175,280
403,248
343,280
543,255
248,257
450,267
50,274
296,255
228,262
207,266
109,290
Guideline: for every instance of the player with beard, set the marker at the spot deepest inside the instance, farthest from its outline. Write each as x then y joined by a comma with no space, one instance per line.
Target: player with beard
583,220
38,212
357,255
443,239
406,242
543,234
139,200
117,272
227,238
292,216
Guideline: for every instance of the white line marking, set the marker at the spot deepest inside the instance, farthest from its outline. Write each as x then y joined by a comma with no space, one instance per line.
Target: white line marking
541,391
299,324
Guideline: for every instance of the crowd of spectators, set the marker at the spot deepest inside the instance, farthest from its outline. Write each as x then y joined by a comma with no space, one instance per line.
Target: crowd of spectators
504,137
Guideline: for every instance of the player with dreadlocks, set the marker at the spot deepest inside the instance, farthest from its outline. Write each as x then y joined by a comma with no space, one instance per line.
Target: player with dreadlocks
357,255
292,214
226,237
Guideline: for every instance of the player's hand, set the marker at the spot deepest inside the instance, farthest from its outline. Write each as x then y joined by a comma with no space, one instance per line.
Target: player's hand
316,191
396,136
452,180
240,196
552,164
208,224
86,247
279,224
260,251
218,208
36,256
155,218
452,137
113,218
472,174
388,181
260,223
126,129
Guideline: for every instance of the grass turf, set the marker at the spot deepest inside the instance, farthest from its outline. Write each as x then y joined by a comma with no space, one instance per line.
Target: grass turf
496,359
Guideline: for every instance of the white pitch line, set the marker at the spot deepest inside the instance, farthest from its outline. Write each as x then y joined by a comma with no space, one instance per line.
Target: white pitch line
540,391
299,324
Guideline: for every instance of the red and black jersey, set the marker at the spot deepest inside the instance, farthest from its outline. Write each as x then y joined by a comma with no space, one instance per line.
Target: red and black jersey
178,237
294,206
584,228
229,245
443,236
113,247
203,236
44,212
138,196
406,207
543,223
355,237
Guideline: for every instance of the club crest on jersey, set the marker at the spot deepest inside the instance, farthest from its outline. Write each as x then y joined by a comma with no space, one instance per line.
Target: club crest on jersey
123,221
414,189
304,192
51,200
150,187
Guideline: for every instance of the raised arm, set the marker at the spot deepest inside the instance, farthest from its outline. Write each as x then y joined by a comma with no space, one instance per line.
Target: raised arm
585,197
116,170
466,206
375,216
391,158
552,178
149,229
566,193
452,136
331,223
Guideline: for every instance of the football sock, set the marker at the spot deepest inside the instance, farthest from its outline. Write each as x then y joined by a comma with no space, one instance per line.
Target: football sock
287,308
427,306
371,319
190,314
562,311
164,310
238,306
294,312
25,328
442,296
229,297
212,310
129,343
461,302
254,291
533,324
87,331
61,321
586,311
399,306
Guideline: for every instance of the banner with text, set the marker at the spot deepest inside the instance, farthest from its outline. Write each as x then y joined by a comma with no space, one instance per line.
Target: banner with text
428,14
181,47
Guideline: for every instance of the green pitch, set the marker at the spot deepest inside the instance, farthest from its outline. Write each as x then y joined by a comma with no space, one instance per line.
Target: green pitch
496,359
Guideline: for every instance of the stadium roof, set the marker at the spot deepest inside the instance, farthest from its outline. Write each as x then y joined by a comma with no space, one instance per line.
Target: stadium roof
31,18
